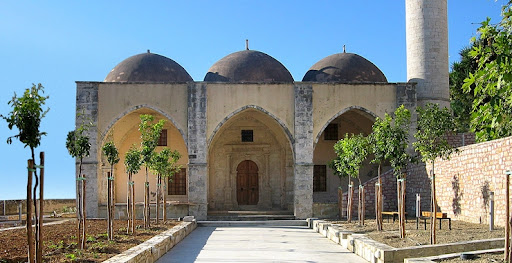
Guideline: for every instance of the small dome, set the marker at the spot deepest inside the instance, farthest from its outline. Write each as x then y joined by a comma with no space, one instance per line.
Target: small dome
148,67
344,67
248,66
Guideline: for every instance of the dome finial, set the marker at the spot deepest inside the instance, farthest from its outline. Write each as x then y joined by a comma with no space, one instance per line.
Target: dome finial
247,44
149,51
344,49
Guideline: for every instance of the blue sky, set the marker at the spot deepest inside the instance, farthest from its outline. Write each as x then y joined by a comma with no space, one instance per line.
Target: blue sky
59,42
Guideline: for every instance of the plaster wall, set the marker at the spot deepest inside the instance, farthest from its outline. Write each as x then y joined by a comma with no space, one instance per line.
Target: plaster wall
116,100
329,100
224,99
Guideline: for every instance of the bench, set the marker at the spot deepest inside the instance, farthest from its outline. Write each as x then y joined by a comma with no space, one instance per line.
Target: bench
440,216
394,215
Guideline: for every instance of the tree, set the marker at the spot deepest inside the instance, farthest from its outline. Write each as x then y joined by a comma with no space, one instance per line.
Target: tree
77,143
491,117
27,113
461,102
338,166
110,150
398,142
354,150
132,162
150,132
433,126
379,146
164,165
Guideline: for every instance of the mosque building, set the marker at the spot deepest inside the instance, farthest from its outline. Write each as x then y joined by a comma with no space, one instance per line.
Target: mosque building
251,137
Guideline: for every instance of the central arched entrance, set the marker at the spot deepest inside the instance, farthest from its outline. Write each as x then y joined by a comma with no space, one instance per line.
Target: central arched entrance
247,184
250,151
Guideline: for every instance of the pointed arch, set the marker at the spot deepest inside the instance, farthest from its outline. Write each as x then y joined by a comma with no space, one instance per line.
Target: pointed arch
229,116
104,133
369,114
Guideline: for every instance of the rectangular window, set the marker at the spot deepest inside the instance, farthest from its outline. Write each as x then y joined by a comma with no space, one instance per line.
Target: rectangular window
320,178
162,141
247,136
178,183
331,132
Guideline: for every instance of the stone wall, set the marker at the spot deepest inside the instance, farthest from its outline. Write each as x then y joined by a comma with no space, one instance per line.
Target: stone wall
464,183
50,205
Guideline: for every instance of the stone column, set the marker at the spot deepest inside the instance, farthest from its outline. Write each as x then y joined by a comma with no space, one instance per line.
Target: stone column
87,111
303,167
197,150
427,49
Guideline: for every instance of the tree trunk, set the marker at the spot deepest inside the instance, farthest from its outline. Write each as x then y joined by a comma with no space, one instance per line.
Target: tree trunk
434,209
109,206
361,205
165,198
84,225
29,213
340,201
147,208
378,201
403,206
39,255
350,198
134,211
128,194
158,184
36,210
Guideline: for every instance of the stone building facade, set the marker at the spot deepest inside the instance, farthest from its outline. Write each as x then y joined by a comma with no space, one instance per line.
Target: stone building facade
250,136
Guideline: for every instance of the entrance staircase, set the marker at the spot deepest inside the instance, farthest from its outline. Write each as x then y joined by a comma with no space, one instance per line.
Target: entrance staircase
251,218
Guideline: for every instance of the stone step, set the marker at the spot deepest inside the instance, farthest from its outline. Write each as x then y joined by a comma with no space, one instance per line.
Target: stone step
269,223
249,217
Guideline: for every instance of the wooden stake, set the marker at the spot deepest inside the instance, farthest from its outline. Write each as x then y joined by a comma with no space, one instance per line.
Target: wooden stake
39,256
30,239
340,201
507,216
134,213
165,192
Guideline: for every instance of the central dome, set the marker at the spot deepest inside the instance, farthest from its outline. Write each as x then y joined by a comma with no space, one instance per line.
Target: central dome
248,66
148,67
344,67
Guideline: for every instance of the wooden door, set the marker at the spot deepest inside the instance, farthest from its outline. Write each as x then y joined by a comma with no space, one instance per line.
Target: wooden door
247,186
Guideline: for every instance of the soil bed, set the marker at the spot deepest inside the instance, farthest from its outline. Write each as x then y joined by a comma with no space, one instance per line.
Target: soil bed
461,231
481,258
60,241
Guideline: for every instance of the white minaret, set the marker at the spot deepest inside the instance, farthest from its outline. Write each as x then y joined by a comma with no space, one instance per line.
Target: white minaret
427,49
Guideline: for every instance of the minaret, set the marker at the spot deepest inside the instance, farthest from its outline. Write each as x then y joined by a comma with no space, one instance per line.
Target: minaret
427,50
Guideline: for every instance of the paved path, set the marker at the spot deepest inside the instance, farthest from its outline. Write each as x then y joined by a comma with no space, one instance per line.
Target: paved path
257,244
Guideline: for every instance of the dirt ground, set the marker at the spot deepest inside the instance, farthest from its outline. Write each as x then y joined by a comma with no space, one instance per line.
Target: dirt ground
461,231
60,241
482,258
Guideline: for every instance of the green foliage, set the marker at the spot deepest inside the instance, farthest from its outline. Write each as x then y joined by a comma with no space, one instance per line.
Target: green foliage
26,115
77,142
378,139
461,101
352,151
164,163
397,141
491,117
433,125
150,133
132,160
110,150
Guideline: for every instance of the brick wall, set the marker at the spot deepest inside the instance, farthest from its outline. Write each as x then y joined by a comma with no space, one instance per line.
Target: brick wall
461,139
464,182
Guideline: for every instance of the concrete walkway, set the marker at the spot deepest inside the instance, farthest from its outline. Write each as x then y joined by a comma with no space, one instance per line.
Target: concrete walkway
258,244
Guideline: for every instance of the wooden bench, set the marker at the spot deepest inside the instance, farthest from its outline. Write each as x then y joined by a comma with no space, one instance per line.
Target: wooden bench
440,216
394,215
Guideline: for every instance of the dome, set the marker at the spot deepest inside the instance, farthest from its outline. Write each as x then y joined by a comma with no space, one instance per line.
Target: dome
344,67
148,67
248,66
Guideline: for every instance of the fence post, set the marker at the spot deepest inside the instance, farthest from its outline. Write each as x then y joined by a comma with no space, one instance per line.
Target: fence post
491,211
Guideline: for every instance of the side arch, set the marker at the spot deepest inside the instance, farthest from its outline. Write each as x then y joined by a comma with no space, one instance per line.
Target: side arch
280,122
111,124
365,111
